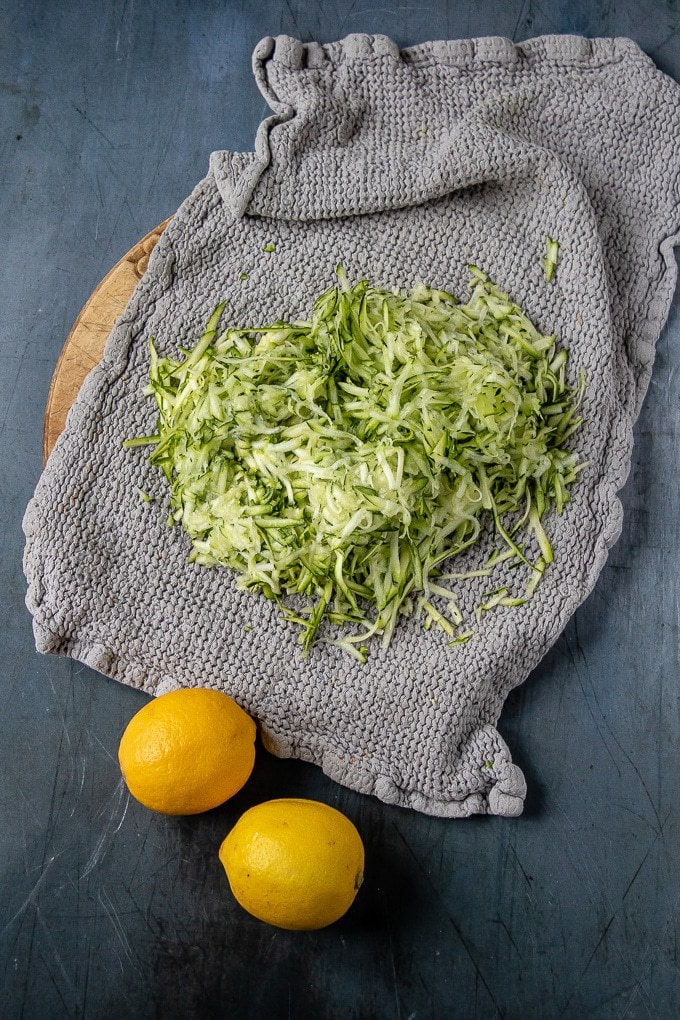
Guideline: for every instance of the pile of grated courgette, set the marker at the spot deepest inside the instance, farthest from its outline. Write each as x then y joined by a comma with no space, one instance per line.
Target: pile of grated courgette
345,458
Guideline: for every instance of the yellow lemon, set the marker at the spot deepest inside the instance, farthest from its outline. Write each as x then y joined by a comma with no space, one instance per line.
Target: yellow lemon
187,751
294,863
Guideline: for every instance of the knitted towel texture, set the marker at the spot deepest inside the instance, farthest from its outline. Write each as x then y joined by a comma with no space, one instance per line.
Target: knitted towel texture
406,166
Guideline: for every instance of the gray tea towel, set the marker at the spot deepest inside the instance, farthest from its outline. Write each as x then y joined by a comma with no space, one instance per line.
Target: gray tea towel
406,166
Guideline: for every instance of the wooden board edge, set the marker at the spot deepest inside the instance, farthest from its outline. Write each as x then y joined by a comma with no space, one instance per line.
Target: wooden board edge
133,264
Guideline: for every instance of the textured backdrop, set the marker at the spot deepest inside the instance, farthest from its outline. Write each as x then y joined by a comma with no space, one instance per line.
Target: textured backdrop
570,911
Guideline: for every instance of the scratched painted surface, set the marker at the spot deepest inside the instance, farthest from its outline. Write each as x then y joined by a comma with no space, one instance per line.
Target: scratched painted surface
107,910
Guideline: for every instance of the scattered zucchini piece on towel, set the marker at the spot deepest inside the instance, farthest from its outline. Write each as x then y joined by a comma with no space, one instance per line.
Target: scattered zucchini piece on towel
550,259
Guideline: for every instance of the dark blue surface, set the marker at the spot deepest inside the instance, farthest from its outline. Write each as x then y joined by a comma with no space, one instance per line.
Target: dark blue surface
108,115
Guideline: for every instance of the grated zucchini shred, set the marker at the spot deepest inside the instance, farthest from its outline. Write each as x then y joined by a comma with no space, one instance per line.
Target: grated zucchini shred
344,459
549,261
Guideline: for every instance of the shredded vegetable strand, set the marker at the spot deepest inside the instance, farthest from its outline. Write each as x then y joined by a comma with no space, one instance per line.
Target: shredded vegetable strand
345,458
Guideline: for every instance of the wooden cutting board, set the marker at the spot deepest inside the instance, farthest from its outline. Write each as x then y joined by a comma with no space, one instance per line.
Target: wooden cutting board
84,345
